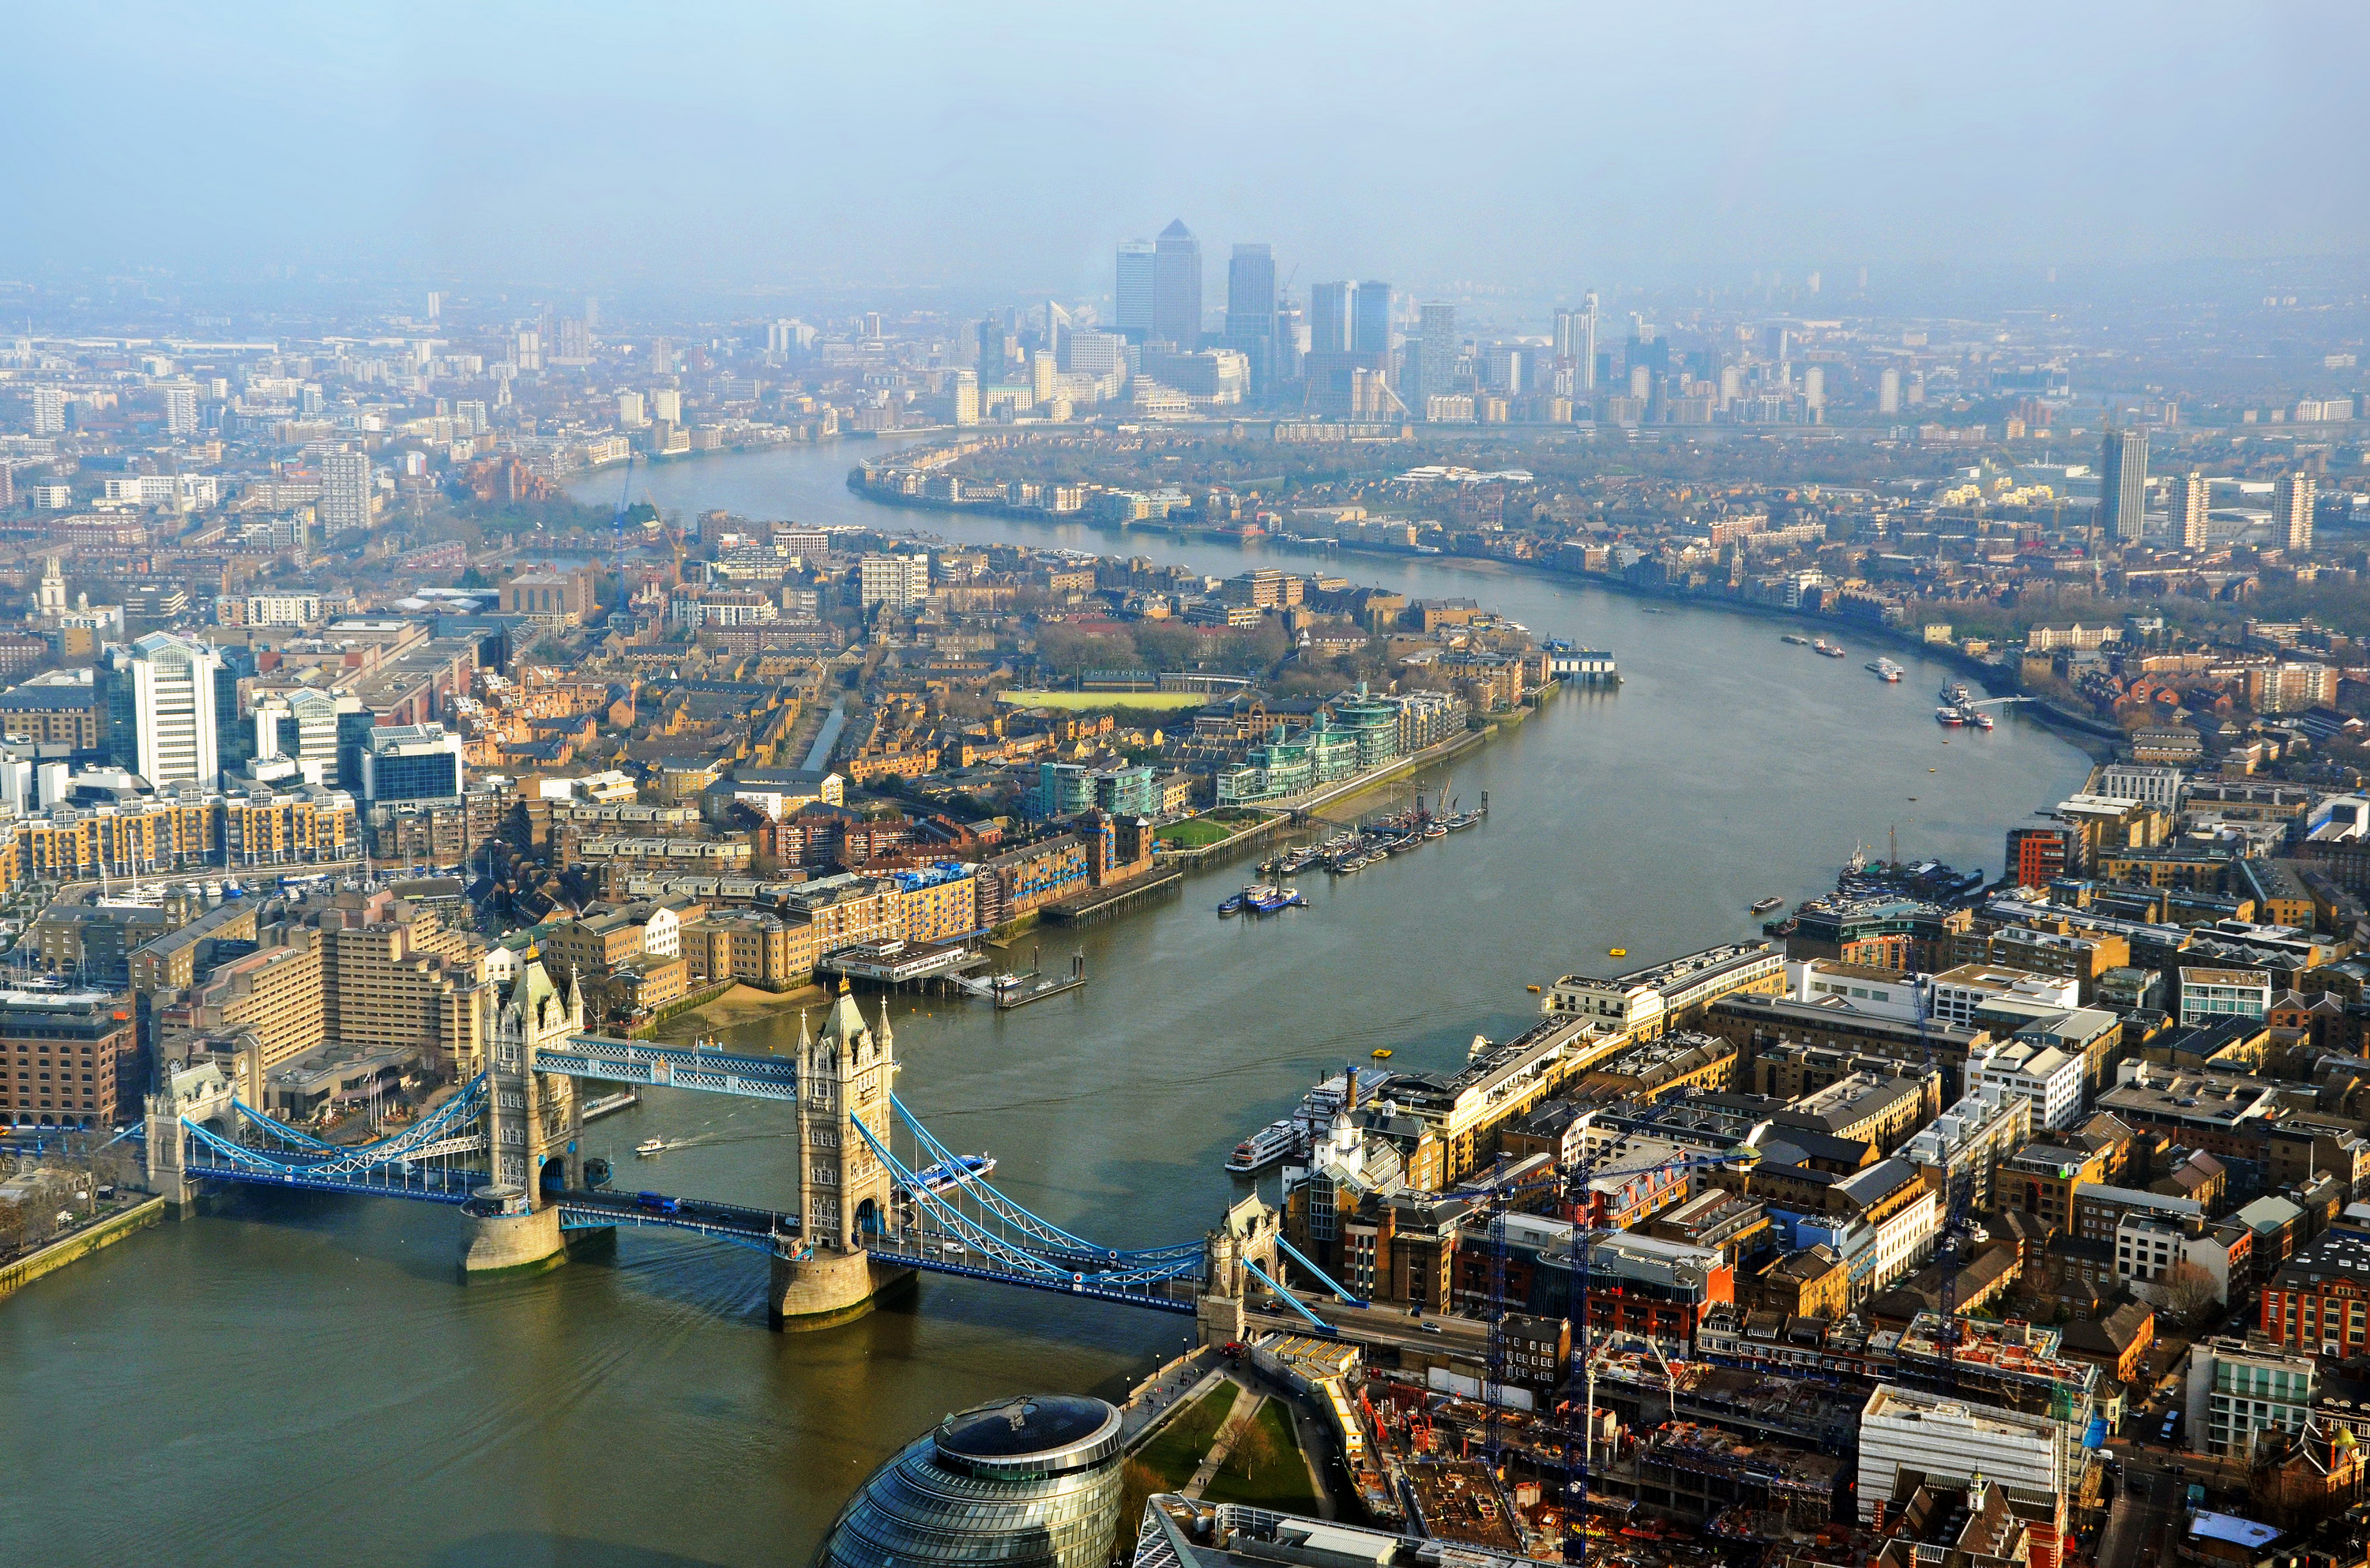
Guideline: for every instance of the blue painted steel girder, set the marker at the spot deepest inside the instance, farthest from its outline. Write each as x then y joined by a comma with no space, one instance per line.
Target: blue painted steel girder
659,1065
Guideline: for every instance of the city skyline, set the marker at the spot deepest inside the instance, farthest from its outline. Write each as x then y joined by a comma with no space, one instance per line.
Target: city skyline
1810,143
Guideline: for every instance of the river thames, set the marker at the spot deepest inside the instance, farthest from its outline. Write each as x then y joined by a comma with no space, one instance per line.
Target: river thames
300,1379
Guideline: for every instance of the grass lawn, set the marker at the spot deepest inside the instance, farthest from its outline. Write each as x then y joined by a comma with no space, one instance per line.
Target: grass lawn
1281,1484
1160,701
1177,1449
1194,833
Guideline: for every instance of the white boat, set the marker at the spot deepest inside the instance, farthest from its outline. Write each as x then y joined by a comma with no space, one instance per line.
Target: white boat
938,1177
1276,1141
649,1146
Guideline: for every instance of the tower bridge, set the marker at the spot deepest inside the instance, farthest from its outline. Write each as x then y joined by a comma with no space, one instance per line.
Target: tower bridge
877,1198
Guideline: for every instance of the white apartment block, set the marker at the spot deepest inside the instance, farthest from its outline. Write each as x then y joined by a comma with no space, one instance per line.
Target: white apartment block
2159,787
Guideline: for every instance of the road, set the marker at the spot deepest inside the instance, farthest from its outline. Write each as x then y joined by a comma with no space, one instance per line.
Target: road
2145,1506
1385,1325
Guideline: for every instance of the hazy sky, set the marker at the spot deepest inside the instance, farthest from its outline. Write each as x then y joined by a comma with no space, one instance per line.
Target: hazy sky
1012,145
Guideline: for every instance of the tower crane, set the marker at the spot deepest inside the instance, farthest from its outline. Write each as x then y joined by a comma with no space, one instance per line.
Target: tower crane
1580,1389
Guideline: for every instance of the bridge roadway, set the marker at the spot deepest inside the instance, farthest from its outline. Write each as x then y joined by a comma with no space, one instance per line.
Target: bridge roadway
917,1247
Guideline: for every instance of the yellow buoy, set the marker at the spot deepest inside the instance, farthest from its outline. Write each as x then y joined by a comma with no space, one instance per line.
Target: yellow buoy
1382,1053
1531,989
1617,952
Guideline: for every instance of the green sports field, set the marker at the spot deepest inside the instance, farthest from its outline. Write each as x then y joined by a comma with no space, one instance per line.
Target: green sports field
1158,701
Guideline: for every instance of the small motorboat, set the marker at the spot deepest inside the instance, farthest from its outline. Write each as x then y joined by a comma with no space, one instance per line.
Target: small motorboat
649,1146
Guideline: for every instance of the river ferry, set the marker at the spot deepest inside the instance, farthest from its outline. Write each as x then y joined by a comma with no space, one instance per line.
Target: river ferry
1950,718
1885,669
1798,641
965,1168
1829,649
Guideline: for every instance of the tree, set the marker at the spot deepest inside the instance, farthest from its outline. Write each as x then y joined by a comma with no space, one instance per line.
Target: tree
1255,1445
2188,1295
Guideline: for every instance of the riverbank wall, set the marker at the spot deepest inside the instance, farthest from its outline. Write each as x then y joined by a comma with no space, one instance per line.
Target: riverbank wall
2093,735
73,1248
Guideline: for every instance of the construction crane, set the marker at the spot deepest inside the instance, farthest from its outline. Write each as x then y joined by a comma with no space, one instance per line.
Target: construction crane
1581,1399
1579,1393
1951,1235
617,526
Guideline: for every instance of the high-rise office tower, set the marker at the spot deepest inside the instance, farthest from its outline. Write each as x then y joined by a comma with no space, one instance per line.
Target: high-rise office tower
345,501
1888,391
1290,337
435,306
1176,288
1434,361
1137,261
2123,484
1250,310
1588,303
1329,319
2191,498
2292,502
963,387
180,410
1814,393
995,350
1370,320
159,708
592,314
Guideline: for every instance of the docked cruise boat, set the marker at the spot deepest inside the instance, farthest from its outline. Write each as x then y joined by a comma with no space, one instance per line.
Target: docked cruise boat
1885,669
1272,1144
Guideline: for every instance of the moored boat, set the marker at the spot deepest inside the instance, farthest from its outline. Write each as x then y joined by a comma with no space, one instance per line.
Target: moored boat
1949,717
1763,905
1278,1140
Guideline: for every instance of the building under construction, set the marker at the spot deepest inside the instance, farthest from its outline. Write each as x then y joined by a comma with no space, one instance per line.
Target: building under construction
1700,1474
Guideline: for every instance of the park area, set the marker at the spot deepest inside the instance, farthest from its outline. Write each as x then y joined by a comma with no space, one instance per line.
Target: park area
1153,701
1265,1469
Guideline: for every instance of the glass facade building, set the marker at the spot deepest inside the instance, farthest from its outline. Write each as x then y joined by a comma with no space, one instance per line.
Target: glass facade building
1026,1483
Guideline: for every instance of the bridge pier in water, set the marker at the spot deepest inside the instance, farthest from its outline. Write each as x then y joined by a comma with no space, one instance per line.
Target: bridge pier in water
508,1234
824,1287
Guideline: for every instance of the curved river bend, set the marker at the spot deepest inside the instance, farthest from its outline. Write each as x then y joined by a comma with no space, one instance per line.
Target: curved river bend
300,1376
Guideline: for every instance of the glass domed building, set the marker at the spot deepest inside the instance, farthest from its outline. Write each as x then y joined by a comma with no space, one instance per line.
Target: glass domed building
1024,1483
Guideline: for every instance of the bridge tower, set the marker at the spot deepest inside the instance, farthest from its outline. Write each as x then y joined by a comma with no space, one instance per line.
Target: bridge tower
532,1120
845,1194
1247,1235
198,1094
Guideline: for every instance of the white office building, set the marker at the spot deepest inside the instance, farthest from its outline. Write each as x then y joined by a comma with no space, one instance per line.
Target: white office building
172,707
1948,1439
2051,1080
